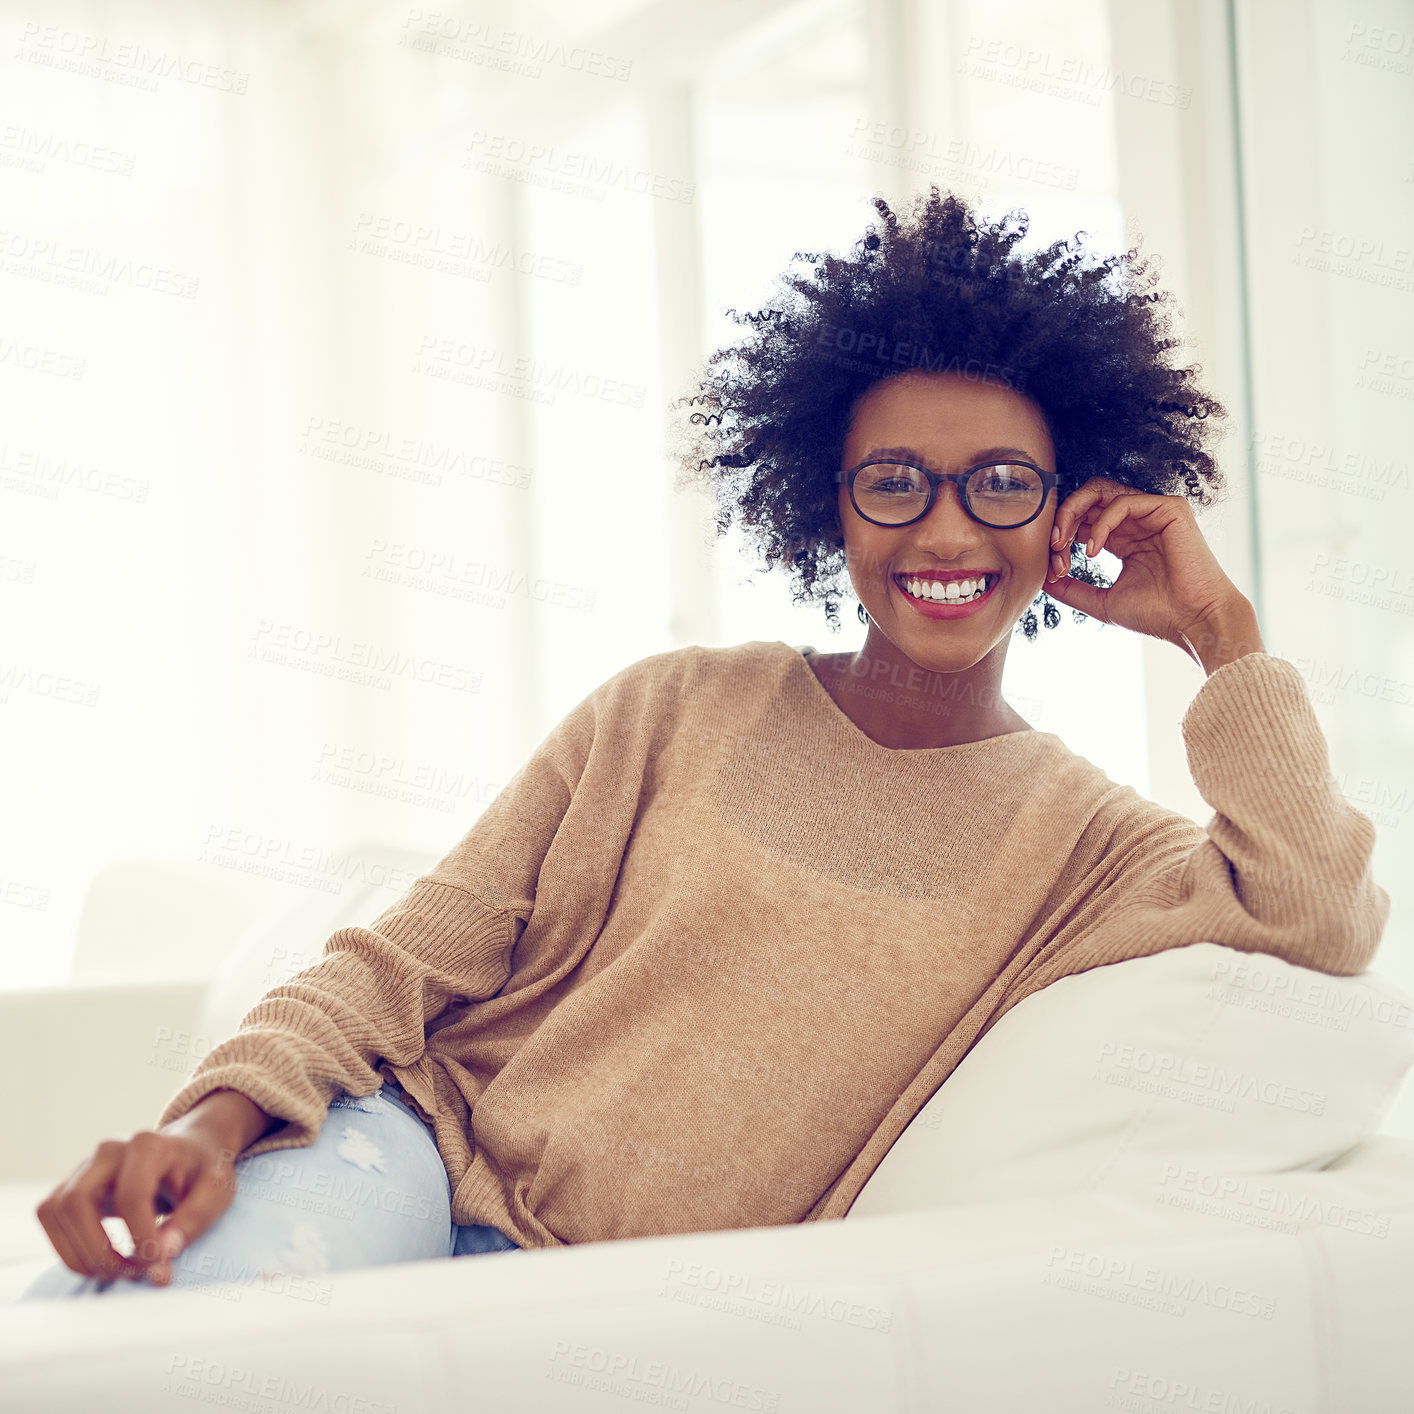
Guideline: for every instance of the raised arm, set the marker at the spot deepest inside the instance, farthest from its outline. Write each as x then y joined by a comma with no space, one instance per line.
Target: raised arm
1282,867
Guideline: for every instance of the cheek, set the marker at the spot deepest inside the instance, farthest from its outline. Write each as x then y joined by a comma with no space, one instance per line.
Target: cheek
1034,554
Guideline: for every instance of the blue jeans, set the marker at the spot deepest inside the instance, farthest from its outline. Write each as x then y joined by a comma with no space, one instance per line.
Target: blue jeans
372,1188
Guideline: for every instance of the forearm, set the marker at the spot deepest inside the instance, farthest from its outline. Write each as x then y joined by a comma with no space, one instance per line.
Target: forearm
367,999
234,1120
1295,852
1227,634
1283,867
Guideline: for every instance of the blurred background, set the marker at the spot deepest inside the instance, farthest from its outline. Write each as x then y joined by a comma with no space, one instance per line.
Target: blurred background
337,339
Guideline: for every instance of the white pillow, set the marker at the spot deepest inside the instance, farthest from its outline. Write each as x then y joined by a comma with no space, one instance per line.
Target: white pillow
1221,1060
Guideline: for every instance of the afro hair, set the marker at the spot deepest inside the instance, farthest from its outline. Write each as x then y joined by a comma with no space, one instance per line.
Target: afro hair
943,292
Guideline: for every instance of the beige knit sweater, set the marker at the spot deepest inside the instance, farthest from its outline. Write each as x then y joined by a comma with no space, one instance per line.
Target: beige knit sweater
712,947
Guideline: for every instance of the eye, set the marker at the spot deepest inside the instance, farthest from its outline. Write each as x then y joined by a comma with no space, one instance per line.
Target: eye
1000,478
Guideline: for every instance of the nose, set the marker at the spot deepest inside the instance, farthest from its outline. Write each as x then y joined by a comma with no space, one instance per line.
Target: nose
947,521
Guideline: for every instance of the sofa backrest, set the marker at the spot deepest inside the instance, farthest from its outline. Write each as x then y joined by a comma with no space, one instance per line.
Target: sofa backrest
1197,1058
162,918
291,937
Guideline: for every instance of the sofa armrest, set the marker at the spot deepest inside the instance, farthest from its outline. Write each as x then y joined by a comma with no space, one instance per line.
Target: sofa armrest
93,1061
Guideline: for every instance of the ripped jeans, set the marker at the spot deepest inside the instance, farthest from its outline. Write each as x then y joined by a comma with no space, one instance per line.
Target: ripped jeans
371,1188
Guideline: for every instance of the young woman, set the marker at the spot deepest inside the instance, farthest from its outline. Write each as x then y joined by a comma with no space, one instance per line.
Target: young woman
744,909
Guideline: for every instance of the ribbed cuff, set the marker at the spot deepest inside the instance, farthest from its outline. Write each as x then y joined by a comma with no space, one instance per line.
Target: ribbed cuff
303,1118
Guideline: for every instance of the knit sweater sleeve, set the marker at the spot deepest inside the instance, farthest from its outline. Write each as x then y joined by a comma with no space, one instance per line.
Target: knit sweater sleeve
450,939
1282,867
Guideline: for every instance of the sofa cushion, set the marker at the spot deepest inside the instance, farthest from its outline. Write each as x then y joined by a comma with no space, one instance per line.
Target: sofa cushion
1196,1060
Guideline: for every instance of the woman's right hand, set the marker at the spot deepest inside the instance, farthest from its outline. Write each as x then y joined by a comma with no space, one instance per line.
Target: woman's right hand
183,1170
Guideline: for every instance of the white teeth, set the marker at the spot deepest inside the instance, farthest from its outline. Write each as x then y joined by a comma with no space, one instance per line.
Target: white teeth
954,591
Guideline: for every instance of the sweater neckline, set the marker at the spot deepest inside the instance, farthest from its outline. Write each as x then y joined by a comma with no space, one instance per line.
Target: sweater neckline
816,690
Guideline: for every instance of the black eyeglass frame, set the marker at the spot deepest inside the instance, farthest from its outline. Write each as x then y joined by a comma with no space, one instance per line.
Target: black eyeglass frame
959,480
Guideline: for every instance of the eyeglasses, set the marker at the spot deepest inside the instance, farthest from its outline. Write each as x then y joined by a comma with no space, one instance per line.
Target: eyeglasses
1002,495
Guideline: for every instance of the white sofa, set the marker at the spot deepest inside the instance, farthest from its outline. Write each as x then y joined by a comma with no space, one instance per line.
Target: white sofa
1159,1185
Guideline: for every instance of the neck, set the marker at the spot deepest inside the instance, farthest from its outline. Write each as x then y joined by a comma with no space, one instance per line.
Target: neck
900,703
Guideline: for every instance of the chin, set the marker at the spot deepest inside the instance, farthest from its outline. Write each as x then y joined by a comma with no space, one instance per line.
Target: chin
953,657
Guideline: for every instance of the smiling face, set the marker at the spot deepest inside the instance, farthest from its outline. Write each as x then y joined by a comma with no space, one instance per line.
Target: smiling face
951,422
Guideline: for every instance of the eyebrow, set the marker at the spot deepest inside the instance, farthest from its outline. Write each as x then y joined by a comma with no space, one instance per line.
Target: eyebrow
908,454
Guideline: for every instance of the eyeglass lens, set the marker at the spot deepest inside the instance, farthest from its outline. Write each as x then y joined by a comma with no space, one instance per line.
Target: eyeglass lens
1004,493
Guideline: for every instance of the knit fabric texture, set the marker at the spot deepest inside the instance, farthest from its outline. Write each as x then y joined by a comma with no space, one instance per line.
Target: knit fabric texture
712,948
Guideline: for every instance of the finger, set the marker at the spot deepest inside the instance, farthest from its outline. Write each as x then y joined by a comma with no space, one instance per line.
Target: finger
1076,504
79,1213
1076,594
1105,522
48,1215
1062,561
205,1198
149,1160
1081,533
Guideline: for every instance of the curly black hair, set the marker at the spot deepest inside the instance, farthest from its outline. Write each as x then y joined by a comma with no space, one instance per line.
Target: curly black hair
943,292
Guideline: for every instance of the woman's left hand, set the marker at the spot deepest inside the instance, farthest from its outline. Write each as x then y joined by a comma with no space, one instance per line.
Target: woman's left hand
1170,581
